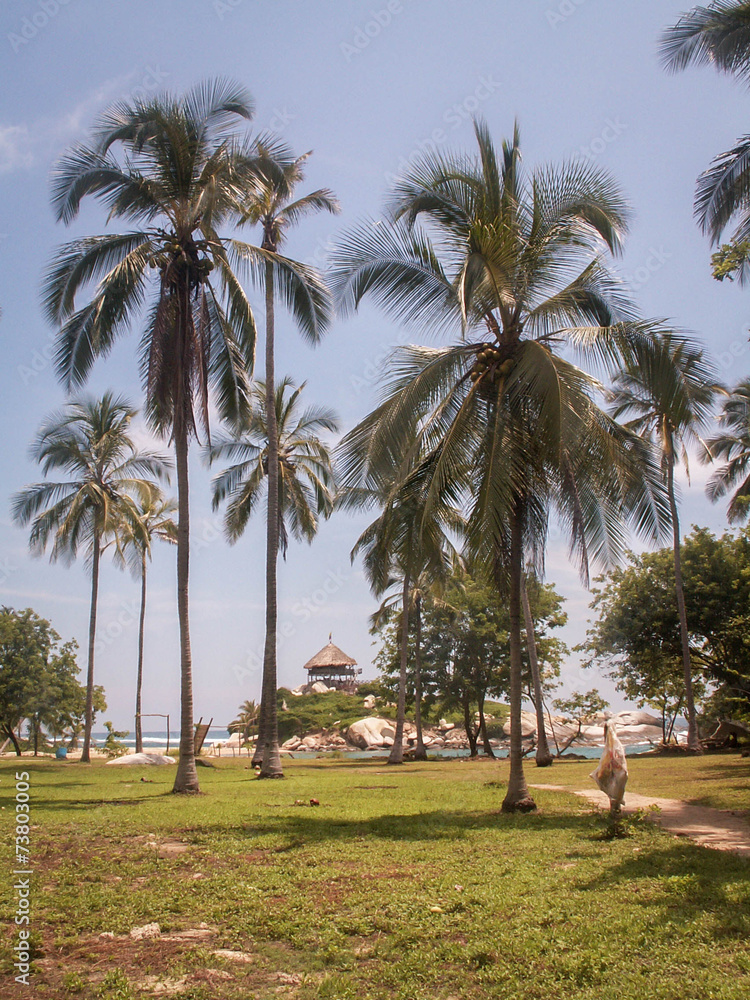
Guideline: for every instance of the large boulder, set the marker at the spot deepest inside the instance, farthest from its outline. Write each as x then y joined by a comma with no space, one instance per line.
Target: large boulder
528,725
636,718
640,734
318,687
139,759
370,732
370,701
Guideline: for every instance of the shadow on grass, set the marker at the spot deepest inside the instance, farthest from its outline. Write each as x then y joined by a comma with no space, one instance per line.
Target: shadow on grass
311,826
685,883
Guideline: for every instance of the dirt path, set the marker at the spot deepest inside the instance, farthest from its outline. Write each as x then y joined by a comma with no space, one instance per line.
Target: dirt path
715,828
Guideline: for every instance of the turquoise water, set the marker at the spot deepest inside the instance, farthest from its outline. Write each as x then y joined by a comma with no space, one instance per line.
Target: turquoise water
158,739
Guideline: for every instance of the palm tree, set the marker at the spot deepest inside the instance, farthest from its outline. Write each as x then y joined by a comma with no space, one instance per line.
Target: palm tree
506,425
304,475
401,549
733,446
543,756
247,717
153,520
271,204
183,164
669,391
90,442
719,34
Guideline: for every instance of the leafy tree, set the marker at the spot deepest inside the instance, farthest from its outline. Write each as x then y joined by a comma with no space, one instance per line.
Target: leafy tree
153,520
504,426
580,708
38,677
554,617
719,35
271,204
403,553
636,634
175,167
90,442
113,745
668,391
466,652
304,487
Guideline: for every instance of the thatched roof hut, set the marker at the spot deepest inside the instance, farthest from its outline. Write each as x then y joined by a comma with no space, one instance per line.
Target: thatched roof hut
333,667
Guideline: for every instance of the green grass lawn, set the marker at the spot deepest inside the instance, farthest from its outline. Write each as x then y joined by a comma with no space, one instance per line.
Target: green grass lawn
405,882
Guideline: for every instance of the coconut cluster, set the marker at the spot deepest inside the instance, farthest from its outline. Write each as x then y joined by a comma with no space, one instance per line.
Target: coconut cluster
174,258
491,366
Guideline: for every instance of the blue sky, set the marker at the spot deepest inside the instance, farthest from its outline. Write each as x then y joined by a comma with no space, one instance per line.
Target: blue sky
366,86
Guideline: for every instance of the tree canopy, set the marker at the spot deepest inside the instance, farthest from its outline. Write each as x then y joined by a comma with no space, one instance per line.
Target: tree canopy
636,633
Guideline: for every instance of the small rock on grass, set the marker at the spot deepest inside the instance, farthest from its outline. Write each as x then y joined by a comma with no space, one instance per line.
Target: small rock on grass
232,956
147,931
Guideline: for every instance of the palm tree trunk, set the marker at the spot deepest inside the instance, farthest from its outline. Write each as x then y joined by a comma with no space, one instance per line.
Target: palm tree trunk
419,751
89,717
260,741
139,677
396,755
186,779
271,763
517,797
693,740
543,755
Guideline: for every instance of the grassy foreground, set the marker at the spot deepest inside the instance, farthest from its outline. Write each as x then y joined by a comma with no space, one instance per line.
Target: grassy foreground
404,883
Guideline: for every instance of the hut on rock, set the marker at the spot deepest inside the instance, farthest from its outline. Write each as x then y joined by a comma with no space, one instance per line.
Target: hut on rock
334,668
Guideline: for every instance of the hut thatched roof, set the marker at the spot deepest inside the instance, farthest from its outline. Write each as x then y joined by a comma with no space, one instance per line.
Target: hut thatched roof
330,656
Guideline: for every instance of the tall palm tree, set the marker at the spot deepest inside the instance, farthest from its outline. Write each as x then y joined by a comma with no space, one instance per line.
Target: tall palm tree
273,206
401,549
733,446
90,442
175,167
507,425
153,520
668,391
305,488
719,34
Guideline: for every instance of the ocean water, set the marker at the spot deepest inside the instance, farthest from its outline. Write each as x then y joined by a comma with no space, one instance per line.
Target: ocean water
155,739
